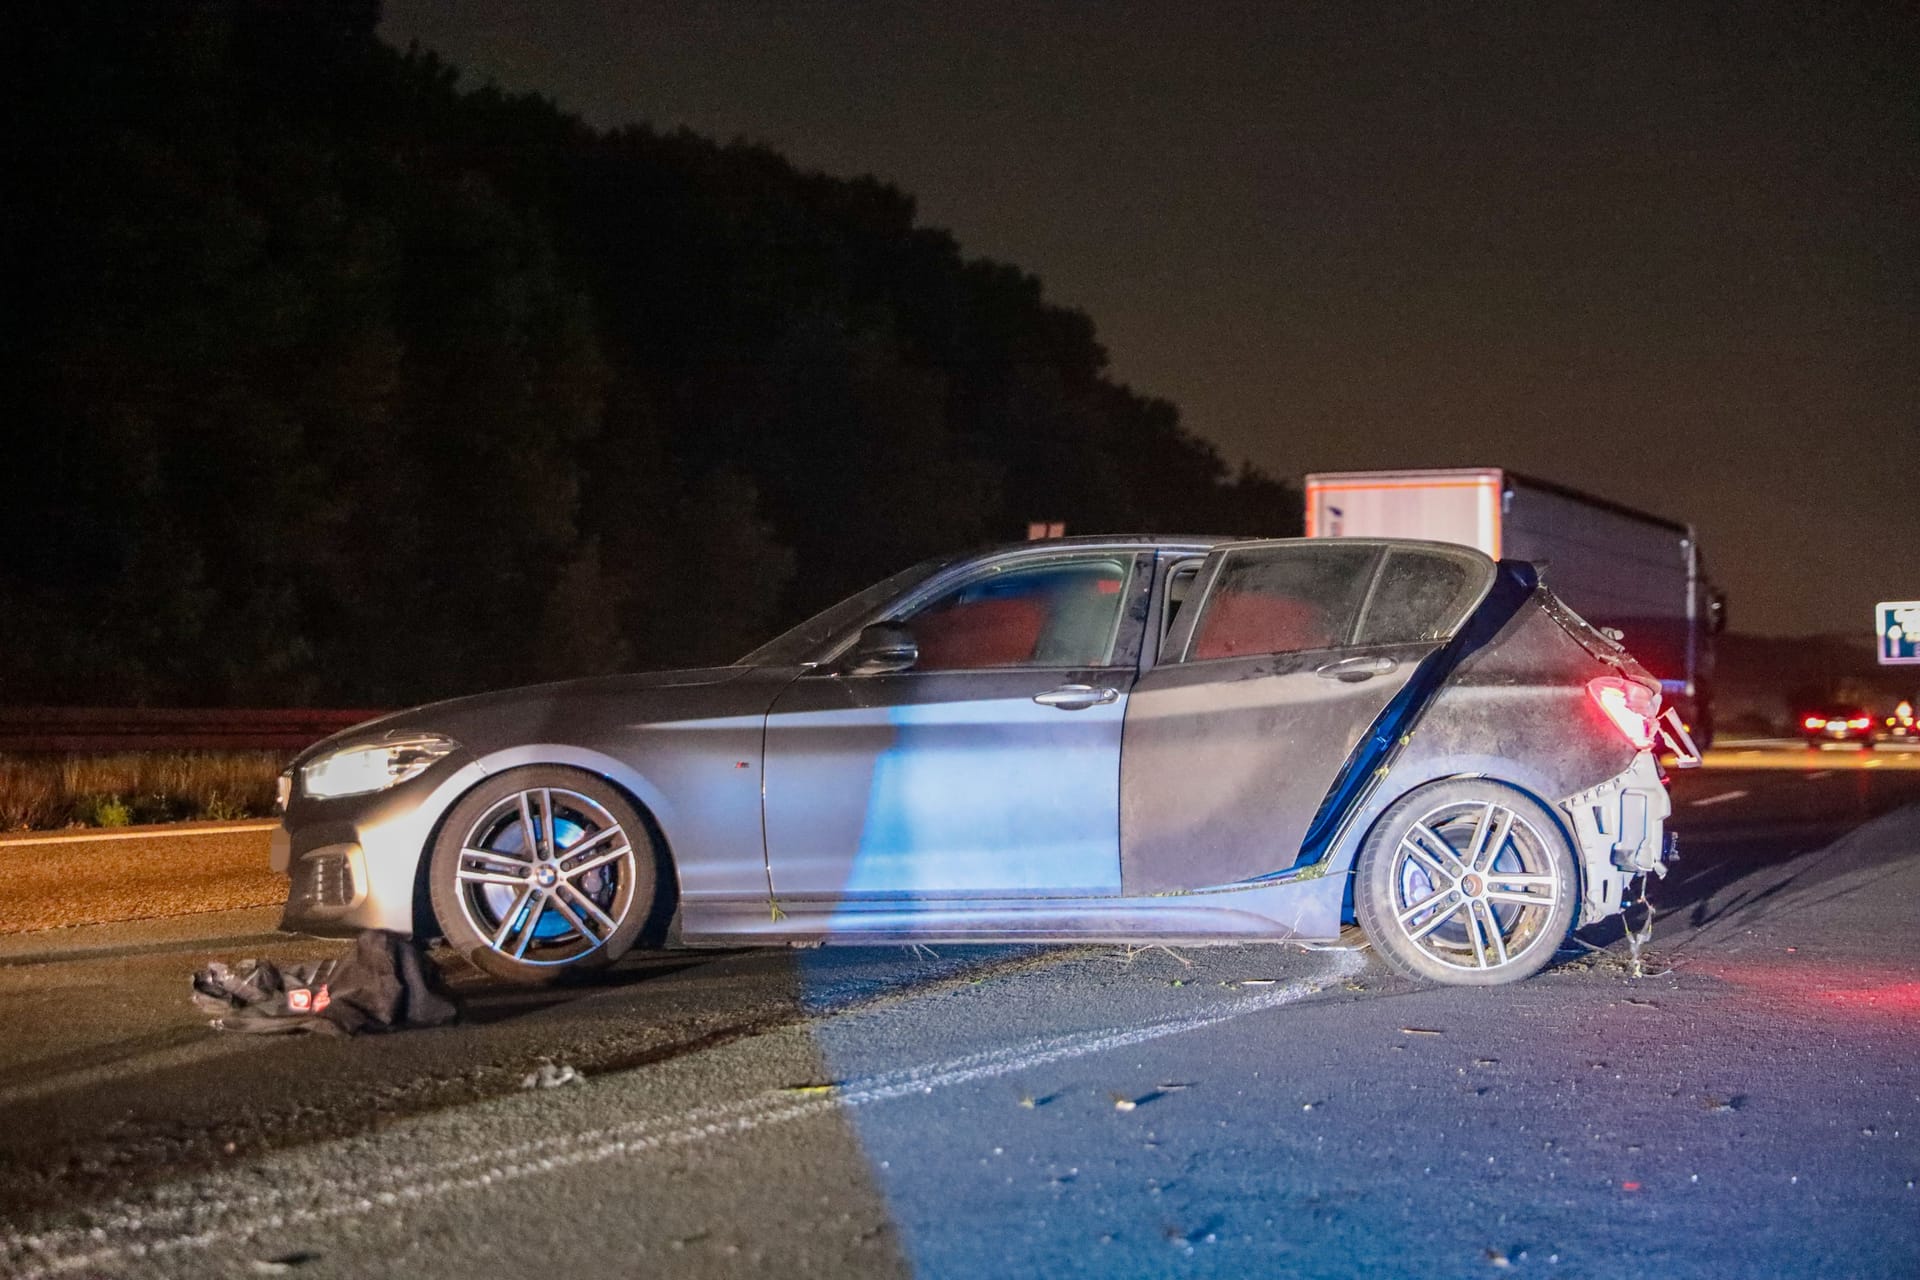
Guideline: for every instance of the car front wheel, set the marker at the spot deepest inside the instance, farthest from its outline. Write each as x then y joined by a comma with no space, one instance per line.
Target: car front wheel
542,872
1469,882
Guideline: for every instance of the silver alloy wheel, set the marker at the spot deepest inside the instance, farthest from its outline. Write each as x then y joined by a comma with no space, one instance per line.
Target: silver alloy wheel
1474,884
546,876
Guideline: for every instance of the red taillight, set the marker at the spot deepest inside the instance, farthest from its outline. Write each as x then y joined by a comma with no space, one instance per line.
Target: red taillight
1859,722
1630,705
1815,722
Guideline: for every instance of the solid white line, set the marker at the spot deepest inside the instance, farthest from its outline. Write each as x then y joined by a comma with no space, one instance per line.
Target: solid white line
176,830
1722,798
431,1181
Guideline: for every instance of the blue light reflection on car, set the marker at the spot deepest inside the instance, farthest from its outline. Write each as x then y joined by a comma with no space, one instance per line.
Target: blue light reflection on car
933,822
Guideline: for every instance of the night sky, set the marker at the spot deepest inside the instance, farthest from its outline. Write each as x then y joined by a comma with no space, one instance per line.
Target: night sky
1670,254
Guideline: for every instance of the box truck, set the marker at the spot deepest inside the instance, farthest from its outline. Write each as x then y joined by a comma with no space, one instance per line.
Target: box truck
1632,573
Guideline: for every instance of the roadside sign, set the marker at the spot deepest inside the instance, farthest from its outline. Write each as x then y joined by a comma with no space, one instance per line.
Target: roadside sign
1897,623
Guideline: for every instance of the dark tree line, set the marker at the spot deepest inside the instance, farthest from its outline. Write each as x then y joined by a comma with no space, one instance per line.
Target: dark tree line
330,382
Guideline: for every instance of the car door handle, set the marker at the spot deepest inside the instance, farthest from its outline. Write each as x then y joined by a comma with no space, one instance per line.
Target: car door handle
1354,670
1077,697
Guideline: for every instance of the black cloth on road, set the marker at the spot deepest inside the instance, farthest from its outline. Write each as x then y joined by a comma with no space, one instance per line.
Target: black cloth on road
383,984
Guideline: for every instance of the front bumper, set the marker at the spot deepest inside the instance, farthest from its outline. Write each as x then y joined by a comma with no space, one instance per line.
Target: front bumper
1620,827
355,863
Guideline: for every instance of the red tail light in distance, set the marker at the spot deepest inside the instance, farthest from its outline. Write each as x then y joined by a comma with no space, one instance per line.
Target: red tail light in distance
1630,705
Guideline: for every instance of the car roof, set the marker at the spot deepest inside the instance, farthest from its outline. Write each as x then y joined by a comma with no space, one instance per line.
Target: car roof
1144,541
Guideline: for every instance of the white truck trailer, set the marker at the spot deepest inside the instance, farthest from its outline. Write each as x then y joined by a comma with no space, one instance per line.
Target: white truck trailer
1635,573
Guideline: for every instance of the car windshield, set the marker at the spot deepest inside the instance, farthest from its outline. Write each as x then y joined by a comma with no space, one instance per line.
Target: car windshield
799,644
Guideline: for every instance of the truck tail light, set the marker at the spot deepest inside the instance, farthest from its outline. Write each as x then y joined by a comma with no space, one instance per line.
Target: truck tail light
1630,705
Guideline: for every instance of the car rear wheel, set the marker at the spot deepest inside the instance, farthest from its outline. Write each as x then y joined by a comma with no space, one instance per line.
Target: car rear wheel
1469,882
543,872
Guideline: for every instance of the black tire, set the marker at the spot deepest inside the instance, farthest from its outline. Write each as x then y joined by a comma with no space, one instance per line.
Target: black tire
561,912
1433,916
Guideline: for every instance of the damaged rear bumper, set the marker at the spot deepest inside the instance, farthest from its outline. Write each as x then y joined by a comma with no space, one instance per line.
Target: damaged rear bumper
1620,827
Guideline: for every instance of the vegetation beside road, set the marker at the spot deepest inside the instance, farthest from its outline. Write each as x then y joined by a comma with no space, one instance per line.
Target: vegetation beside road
45,791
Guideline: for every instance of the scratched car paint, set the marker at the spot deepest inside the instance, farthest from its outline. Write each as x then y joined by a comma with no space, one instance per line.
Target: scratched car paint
1099,739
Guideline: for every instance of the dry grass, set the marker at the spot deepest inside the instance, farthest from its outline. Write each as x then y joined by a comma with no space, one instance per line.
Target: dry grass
43,791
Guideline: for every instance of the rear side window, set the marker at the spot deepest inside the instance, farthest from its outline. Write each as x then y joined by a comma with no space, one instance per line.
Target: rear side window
1422,595
1282,600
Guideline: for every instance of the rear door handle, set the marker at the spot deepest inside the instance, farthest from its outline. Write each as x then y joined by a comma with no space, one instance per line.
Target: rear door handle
1077,697
1354,670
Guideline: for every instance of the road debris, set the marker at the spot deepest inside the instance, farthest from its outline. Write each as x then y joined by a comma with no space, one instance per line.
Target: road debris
384,983
1420,1031
1128,954
551,1075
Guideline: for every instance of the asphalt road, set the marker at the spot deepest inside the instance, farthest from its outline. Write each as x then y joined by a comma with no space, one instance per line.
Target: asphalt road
1752,1110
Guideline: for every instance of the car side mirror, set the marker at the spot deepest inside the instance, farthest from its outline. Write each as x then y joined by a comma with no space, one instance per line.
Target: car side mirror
883,648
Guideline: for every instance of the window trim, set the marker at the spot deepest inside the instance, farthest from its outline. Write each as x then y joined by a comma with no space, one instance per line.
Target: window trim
1157,636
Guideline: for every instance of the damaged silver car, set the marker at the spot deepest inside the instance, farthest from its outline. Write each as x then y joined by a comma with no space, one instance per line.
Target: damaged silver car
1140,740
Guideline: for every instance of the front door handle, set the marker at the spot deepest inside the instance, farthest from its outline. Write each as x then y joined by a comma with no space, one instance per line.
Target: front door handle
1354,670
1077,697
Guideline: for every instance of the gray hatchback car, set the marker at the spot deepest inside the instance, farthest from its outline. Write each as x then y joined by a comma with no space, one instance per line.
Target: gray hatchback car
1140,740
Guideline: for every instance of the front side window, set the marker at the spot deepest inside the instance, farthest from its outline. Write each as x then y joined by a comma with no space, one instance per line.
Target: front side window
1062,613
1284,599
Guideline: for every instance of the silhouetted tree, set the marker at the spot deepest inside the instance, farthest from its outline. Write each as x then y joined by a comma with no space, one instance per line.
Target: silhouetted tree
333,382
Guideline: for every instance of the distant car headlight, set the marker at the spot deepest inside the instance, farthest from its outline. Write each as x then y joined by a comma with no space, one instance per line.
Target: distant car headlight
371,766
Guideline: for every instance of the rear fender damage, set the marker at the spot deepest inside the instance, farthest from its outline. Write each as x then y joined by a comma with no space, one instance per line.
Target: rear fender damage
1620,830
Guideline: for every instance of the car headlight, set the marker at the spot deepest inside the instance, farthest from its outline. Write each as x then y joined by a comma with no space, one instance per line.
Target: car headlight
371,766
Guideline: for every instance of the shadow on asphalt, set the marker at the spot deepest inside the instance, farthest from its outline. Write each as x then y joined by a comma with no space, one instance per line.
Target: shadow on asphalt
485,1001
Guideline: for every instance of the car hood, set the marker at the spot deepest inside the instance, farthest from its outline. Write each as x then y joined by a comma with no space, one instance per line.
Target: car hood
568,710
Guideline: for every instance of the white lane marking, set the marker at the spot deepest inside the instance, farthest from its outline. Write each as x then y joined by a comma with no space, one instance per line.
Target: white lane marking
404,1185
1722,798
180,831
1818,774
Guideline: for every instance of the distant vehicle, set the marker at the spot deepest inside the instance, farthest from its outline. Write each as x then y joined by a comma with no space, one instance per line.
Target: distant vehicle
1623,570
1899,727
1838,724
1087,740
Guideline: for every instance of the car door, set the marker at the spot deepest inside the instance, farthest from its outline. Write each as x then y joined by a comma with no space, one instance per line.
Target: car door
992,767
1275,669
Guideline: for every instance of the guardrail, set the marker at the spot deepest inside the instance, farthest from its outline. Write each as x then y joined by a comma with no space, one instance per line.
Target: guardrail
169,729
